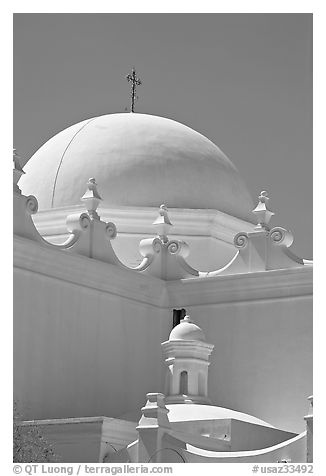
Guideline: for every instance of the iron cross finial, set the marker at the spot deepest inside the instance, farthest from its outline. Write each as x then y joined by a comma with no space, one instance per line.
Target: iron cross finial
132,78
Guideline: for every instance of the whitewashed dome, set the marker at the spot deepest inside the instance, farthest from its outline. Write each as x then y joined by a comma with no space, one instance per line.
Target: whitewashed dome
138,160
187,330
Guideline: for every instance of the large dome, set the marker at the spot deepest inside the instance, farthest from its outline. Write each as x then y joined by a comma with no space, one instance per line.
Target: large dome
137,160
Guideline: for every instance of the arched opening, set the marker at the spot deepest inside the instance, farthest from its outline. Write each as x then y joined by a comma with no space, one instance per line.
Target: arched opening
184,383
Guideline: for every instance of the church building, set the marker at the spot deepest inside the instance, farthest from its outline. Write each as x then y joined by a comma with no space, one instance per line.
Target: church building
159,312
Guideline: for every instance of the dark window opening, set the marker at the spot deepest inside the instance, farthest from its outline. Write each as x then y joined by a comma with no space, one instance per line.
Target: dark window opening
178,314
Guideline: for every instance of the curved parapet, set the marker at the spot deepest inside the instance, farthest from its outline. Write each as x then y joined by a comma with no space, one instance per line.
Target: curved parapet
165,258
89,236
278,253
292,450
23,206
181,450
262,249
23,209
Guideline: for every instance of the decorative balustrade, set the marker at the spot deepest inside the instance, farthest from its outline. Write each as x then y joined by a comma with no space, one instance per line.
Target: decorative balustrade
165,258
89,235
262,249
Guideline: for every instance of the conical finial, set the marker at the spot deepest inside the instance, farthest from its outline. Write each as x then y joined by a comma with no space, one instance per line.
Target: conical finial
92,198
163,223
17,171
17,161
262,213
311,405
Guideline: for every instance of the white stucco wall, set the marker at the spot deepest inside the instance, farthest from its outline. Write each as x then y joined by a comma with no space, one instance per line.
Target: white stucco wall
262,361
83,352
87,337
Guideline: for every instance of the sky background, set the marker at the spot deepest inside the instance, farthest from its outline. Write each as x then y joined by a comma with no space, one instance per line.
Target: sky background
242,80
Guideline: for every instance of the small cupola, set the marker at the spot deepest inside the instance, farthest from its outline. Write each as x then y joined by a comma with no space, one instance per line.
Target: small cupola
186,355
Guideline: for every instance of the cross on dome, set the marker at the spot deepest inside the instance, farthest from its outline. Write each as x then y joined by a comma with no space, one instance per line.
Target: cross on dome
132,78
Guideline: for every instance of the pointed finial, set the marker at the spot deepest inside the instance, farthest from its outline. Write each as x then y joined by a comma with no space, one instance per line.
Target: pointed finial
164,213
311,404
186,319
17,171
163,223
132,78
262,213
17,161
92,198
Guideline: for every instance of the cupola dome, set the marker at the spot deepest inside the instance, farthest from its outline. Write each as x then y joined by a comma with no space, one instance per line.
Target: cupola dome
187,330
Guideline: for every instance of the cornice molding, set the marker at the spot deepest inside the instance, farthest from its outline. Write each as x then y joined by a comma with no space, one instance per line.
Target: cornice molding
63,421
132,220
104,277
263,285
88,272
